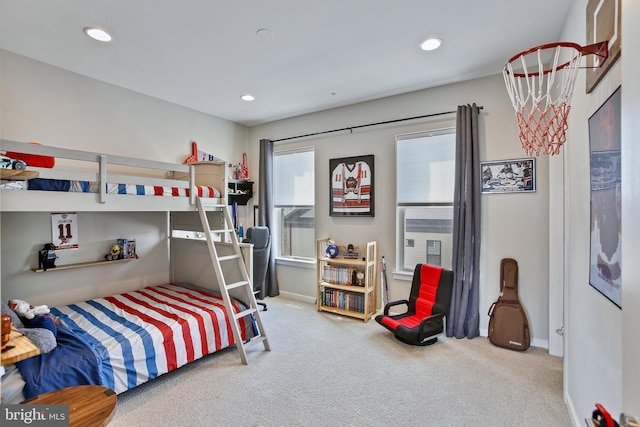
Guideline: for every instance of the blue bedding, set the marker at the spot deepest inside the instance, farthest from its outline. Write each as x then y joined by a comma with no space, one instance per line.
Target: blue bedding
71,363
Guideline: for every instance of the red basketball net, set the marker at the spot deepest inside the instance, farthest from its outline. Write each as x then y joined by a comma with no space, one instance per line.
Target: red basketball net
540,88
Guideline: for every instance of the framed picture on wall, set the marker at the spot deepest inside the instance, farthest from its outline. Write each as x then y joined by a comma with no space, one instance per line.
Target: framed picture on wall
605,268
508,176
351,189
64,230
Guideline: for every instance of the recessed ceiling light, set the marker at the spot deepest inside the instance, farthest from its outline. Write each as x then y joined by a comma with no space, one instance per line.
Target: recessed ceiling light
431,44
247,97
97,34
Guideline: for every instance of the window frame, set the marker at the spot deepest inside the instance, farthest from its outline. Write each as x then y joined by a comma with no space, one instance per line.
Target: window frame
278,209
400,272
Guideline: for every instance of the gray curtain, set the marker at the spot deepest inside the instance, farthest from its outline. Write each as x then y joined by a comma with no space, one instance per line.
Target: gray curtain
265,212
464,320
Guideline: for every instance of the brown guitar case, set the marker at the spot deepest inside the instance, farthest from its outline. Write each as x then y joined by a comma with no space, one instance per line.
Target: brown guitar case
508,325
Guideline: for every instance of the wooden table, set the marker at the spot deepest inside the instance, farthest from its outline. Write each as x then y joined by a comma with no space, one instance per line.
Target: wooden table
19,348
89,405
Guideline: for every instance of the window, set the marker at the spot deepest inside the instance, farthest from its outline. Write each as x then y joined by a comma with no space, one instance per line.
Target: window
294,199
425,179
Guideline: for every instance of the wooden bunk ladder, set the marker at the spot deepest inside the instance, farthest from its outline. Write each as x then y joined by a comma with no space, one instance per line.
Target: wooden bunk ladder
244,285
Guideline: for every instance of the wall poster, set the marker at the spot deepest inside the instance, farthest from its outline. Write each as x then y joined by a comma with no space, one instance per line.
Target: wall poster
605,268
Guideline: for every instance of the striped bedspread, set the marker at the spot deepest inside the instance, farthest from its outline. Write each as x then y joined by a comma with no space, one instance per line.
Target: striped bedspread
43,184
151,190
142,334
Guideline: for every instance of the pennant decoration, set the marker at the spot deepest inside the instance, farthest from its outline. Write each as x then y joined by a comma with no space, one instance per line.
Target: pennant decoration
201,156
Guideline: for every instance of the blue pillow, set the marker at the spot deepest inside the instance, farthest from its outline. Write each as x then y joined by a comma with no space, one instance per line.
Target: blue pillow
44,321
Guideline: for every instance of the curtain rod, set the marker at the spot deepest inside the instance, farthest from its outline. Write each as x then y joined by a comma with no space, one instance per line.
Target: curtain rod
351,128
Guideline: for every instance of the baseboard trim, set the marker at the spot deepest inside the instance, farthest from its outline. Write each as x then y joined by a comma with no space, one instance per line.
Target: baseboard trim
575,420
298,297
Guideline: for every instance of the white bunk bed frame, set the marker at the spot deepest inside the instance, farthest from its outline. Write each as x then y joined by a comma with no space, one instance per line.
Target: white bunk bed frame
105,168
187,218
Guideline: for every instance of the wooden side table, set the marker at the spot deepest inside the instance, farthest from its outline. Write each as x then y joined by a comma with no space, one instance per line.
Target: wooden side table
89,405
19,348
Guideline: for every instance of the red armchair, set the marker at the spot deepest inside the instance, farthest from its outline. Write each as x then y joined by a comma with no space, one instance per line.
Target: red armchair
427,307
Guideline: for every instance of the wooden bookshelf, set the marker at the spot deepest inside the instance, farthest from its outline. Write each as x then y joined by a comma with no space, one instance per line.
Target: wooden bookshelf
339,291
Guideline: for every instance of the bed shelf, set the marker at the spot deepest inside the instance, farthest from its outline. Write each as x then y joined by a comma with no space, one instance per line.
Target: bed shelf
17,175
239,191
80,265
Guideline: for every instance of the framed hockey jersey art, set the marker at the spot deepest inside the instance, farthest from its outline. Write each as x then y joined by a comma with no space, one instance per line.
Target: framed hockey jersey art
351,187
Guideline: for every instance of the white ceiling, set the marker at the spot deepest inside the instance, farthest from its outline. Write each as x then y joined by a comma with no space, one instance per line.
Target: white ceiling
204,54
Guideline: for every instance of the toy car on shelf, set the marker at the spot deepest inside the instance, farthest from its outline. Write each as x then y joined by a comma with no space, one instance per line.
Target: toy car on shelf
9,163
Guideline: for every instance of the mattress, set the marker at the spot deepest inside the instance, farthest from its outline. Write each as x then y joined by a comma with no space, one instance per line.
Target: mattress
65,185
124,340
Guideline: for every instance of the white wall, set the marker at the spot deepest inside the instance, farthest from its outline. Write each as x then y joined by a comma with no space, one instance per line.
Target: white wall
55,107
630,207
513,225
24,233
601,349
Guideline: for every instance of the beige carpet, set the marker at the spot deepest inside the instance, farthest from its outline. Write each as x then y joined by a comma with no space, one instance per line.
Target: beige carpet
324,370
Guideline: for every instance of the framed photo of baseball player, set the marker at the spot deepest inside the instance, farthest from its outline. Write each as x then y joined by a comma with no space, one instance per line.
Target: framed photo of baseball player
351,188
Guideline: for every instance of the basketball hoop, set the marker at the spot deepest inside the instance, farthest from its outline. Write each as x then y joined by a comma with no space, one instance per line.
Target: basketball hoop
540,86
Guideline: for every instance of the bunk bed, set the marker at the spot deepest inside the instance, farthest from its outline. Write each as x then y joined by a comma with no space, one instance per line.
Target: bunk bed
103,182
126,339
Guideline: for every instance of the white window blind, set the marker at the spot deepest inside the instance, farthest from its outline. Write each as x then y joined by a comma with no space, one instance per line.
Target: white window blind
425,167
293,179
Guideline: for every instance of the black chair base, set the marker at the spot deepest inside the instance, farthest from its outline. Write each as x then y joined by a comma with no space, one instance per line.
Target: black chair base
421,344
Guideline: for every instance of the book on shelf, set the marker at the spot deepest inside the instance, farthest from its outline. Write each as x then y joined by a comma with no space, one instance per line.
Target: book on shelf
338,275
344,300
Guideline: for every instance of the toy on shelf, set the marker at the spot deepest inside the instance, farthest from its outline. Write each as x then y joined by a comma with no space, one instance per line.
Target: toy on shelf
34,160
47,256
127,248
332,249
114,253
241,170
123,249
9,163
350,253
